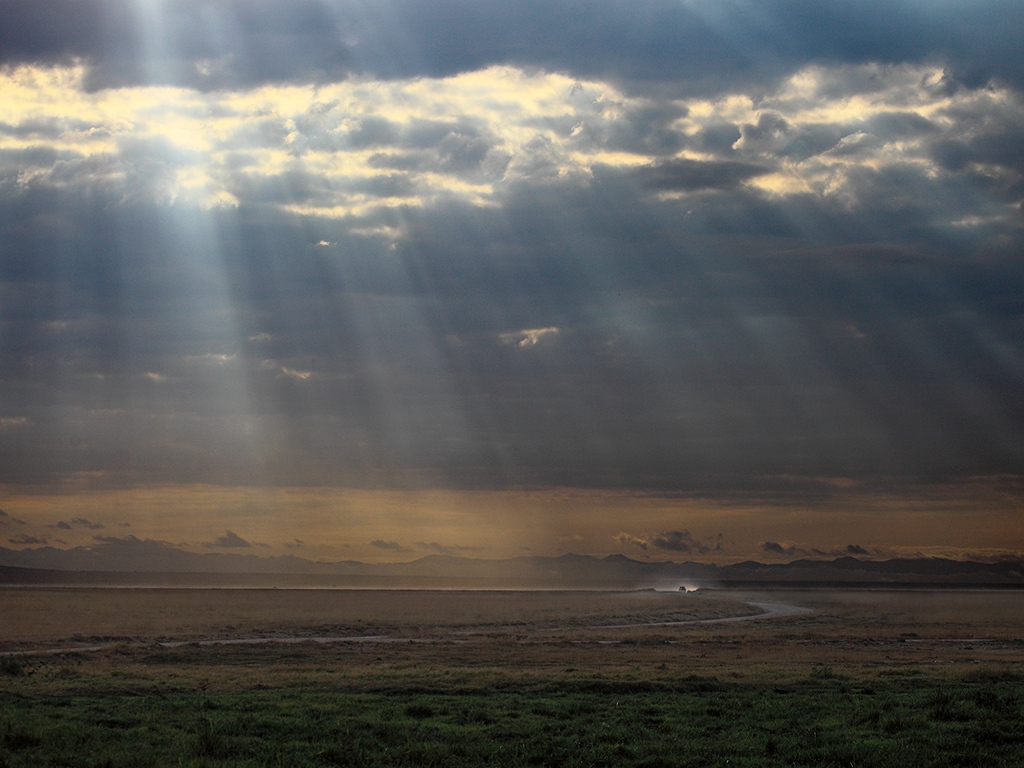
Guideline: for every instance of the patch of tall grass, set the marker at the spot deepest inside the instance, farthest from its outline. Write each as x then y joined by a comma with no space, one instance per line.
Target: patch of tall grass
187,715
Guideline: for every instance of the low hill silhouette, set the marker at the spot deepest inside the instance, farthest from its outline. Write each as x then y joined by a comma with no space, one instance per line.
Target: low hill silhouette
130,560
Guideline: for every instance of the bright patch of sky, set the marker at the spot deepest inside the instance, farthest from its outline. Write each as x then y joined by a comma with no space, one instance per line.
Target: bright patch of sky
348,149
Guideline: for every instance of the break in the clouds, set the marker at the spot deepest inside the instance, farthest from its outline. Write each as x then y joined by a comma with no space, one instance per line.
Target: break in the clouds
708,249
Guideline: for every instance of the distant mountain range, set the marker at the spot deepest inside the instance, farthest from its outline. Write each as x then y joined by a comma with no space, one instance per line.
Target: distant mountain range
132,560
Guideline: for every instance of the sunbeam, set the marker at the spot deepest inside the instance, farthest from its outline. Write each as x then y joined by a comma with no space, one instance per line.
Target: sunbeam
401,278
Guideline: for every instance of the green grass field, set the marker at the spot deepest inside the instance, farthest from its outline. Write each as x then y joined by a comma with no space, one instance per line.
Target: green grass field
168,710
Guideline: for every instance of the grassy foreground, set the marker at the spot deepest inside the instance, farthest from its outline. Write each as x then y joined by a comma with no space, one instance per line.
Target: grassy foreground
244,709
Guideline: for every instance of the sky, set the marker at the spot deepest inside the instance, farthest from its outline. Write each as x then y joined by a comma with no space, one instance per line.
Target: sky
377,279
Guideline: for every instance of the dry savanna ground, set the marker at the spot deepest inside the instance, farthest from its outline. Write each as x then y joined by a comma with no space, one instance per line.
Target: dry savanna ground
614,632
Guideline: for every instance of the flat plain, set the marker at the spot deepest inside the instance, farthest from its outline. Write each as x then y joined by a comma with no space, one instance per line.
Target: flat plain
253,677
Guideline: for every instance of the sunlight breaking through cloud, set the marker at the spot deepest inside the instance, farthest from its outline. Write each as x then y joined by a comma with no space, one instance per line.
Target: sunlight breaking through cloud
750,264
353,148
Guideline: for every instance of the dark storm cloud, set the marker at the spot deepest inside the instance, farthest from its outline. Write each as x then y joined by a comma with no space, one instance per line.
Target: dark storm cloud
772,135
369,132
679,541
992,137
47,128
645,128
654,42
691,350
6,519
447,549
718,139
79,522
230,540
672,541
663,326
900,125
453,148
26,540
690,175
448,146
297,187
393,546
177,42
795,551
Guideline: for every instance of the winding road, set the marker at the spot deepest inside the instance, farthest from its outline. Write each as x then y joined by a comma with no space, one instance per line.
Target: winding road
769,610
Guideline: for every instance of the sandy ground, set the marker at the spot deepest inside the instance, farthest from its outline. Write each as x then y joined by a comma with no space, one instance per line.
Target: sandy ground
44,615
706,633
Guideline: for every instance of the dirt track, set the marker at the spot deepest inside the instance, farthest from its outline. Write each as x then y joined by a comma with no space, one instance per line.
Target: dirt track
710,632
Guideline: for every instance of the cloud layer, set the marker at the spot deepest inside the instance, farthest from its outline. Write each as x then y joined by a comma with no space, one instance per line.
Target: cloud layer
566,285
699,46
683,247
